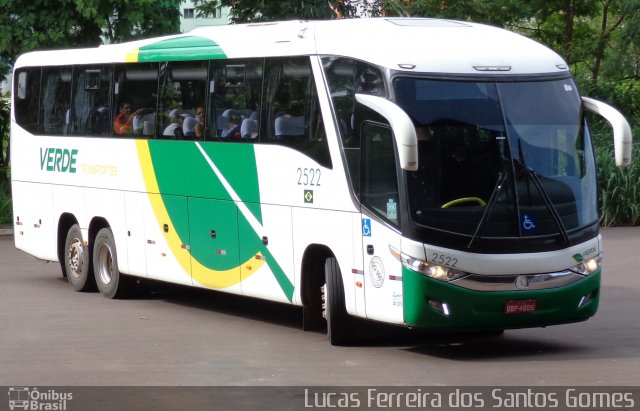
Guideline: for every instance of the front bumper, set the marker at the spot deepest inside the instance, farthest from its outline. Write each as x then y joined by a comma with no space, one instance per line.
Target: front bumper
471,309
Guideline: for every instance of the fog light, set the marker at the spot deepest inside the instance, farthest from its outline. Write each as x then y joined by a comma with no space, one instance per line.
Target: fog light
439,306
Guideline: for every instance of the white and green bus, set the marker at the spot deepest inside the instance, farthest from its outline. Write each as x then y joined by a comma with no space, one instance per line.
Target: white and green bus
420,172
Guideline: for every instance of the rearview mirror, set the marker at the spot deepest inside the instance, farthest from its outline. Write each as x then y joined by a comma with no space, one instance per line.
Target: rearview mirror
404,131
622,137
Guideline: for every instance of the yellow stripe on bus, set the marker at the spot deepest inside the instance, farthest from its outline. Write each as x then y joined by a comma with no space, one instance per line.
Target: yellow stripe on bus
132,56
203,275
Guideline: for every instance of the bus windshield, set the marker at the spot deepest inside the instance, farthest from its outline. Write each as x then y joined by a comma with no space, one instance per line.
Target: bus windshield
499,159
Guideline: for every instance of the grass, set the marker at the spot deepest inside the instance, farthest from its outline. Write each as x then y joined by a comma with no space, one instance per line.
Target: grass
620,195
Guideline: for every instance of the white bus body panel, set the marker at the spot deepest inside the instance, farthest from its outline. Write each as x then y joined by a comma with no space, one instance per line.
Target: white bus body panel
382,272
34,226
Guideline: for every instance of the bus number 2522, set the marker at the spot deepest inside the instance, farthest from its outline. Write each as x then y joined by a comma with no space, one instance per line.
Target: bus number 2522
309,176
444,260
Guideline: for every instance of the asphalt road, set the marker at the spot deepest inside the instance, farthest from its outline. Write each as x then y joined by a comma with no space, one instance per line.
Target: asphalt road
51,335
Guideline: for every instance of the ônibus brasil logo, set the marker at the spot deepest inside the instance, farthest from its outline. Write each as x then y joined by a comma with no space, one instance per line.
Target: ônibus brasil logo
26,398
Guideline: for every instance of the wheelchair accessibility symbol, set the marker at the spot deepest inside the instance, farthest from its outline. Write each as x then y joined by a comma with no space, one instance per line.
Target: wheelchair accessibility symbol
528,222
366,227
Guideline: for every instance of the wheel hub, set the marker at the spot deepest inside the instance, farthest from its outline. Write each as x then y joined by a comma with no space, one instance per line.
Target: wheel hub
75,258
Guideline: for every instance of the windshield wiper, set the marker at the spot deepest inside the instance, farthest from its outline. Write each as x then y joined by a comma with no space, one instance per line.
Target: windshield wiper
502,178
543,193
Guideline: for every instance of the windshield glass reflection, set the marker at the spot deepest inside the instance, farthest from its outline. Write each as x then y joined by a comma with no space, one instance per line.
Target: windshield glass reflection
473,134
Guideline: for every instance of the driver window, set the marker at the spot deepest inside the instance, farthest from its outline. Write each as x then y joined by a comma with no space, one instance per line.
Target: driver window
379,180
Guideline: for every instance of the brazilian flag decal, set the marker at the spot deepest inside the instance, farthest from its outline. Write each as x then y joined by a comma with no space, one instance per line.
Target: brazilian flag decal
220,185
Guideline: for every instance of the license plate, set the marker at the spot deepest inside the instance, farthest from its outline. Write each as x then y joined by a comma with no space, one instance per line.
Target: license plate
520,306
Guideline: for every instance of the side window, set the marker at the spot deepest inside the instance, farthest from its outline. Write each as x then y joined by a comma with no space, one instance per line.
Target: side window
345,78
135,93
379,185
236,97
181,111
26,98
291,115
55,107
90,114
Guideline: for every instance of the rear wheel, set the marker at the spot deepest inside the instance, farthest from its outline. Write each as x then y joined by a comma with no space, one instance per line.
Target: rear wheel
110,282
77,262
339,324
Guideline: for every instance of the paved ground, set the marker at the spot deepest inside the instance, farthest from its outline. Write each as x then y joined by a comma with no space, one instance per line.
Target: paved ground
50,335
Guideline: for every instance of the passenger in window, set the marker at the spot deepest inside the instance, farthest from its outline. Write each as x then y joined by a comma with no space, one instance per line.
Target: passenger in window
199,127
144,121
174,130
122,123
232,128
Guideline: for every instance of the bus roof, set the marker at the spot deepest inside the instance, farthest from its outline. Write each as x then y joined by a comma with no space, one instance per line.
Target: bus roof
406,44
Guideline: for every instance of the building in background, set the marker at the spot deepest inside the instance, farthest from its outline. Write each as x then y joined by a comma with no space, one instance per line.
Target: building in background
189,19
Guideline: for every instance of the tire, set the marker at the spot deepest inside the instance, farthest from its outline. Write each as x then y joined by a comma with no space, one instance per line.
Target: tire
111,283
77,261
339,324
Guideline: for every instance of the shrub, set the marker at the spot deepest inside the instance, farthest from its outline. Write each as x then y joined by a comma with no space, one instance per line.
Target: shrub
6,211
620,195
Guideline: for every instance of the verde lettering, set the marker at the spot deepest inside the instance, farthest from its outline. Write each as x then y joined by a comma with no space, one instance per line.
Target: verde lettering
60,160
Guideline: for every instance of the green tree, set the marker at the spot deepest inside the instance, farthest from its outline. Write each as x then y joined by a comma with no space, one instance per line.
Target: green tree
44,24
243,11
4,140
600,39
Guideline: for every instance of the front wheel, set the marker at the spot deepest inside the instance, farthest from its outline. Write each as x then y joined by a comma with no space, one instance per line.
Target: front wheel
110,282
77,262
339,324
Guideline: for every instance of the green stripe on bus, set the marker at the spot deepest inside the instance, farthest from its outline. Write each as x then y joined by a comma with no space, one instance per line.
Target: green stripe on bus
250,240
180,49
279,274
237,163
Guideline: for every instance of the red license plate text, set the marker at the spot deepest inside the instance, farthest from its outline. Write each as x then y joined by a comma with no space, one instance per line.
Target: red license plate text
520,306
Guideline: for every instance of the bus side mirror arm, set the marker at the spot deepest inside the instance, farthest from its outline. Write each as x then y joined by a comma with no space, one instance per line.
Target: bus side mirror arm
404,131
622,137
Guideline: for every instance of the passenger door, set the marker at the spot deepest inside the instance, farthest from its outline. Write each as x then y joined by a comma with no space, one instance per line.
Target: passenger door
380,222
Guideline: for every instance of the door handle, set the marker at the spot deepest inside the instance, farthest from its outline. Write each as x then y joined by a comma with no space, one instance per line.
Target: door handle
370,249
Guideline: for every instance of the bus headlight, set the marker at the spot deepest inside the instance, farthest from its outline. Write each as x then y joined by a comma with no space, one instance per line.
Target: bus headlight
588,266
438,272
